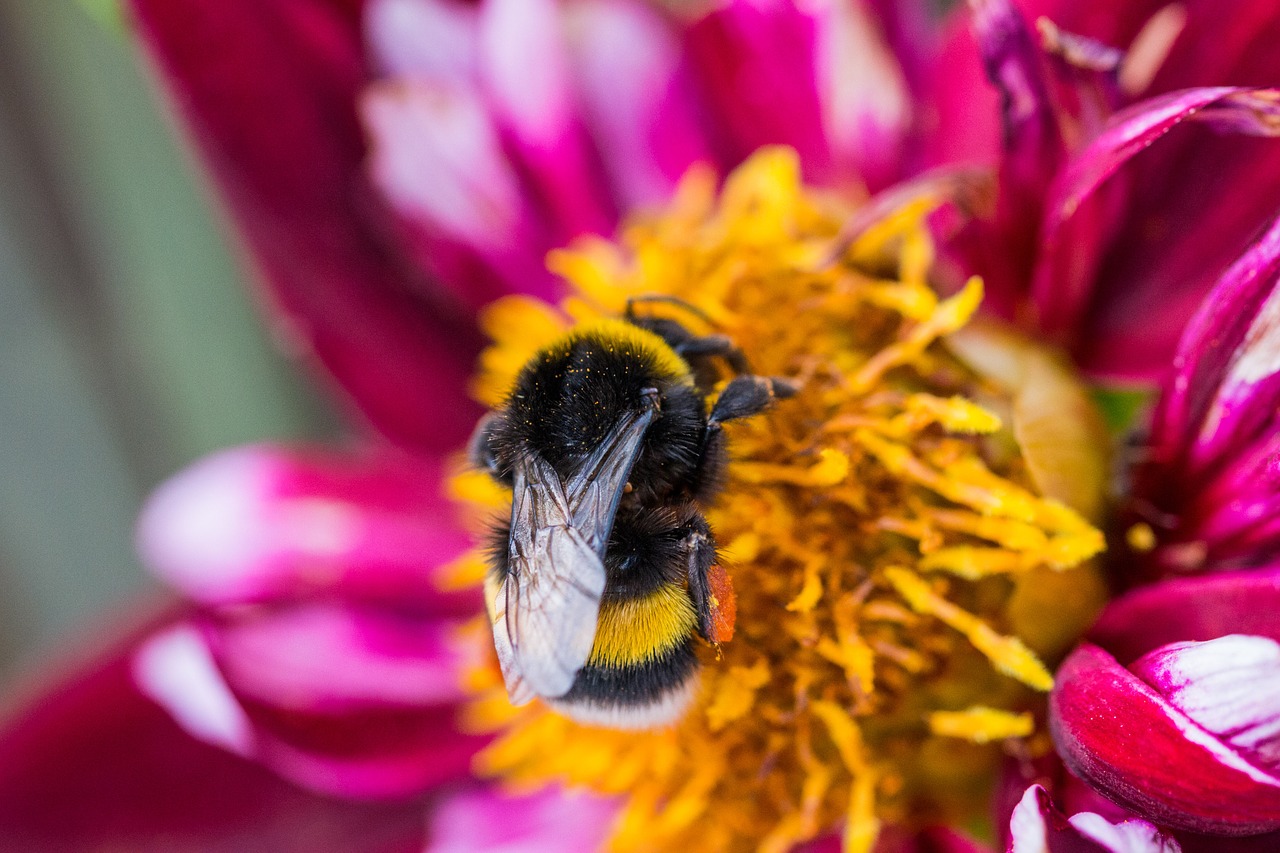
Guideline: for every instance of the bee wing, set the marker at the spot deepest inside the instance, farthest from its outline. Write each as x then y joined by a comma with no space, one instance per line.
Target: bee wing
593,491
544,615
546,611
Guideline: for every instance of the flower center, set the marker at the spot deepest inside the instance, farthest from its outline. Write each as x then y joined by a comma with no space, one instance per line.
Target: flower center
901,577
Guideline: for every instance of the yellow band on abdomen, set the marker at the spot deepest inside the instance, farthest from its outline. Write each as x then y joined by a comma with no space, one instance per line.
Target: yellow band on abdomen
642,629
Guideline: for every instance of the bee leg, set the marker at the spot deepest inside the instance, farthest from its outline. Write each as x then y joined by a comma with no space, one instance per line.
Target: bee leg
748,395
743,397
700,556
698,350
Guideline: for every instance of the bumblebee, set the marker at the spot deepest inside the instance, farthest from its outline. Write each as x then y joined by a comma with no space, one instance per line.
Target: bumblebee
607,573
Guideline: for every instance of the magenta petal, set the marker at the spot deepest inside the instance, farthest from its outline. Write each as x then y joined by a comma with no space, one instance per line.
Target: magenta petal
550,821
438,160
436,40
1012,61
1224,390
260,523
1191,609
331,658
278,129
526,76
304,691
638,96
1074,243
1035,826
1002,249
89,763
965,105
1124,739
759,66
1214,463
1229,686
866,104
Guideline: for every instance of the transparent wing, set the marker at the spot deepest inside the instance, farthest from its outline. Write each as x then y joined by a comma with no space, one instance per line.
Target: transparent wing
545,611
594,489
551,597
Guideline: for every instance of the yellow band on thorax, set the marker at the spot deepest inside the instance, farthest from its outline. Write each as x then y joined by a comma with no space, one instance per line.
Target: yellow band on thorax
618,333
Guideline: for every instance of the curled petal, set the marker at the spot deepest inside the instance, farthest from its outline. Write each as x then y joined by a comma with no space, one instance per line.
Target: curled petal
1130,836
1213,463
1191,609
1230,686
1079,216
1035,826
260,523
1123,738
1228,348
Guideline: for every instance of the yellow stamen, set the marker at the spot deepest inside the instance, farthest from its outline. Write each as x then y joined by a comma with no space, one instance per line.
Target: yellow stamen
1008,654
981,725
885,532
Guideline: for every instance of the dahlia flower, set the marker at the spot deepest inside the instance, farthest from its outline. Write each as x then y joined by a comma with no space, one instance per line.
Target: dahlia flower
914,537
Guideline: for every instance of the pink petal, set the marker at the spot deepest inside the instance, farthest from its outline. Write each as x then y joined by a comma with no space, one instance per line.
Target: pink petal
1002,249
278,130
87,762
1130,836
913,33
175,668
866,105
1223,45
478,820
438,159
527,79
1191,609
638,96
1079,230
358,703
1124,739
333,658
260,523
965,106
759,64
1229,686
1214,462
1036,827
1226,382
432,40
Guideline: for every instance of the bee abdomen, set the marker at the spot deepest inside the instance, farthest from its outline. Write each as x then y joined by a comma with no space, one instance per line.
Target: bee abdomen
642,671
655,692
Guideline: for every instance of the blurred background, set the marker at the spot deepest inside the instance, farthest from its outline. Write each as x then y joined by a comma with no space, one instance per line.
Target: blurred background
129,344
